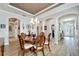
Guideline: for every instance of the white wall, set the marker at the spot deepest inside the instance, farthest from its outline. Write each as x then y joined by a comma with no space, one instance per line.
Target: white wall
48,24
4,32
24,22
4,19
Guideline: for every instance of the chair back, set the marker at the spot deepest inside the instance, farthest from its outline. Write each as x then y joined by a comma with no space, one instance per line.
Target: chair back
49,35
21,41
40,40
23,35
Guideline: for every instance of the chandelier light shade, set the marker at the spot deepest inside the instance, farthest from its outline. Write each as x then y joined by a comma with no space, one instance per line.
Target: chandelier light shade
34,21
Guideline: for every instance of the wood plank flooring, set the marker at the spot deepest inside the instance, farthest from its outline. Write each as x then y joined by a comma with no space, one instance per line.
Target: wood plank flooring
65,47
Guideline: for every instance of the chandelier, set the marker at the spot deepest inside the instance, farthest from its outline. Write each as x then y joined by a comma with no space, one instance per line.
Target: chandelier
34,21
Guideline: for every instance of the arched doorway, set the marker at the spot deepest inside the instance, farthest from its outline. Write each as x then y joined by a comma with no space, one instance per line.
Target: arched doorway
14,28
68,25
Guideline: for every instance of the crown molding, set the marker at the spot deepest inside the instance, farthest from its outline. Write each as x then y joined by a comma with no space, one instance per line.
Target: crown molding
46,9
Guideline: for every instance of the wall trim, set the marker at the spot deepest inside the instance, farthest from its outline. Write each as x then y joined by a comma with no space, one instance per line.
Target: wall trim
57,10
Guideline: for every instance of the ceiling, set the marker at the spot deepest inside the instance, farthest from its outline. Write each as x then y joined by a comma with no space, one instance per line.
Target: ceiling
9,8
32,8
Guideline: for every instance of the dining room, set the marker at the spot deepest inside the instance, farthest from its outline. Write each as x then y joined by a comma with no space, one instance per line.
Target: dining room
26,30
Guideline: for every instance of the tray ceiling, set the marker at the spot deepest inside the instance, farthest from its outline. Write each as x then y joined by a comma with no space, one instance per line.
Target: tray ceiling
32,8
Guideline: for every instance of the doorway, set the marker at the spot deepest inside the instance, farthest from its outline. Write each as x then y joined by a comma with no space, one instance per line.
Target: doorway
68,24
53,31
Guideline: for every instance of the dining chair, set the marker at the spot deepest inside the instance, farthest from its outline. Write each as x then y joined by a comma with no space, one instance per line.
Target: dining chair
1,47
29,39
39,44
23,35
26,38
24,46
47,42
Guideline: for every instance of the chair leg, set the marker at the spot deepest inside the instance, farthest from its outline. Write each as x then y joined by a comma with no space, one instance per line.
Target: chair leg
23,52
35,52
49,47
2,50
43,51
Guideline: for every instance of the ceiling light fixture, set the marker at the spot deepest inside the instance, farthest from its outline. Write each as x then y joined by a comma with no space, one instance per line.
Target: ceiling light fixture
34,21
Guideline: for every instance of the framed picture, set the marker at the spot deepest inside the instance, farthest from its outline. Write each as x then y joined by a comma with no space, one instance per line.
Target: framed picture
52,27
45,27
2,26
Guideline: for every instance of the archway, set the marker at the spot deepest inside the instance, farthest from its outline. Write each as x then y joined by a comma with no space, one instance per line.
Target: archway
68,28
68,24
14,28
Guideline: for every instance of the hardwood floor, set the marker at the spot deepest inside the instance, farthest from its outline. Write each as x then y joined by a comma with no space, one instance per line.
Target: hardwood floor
14,49
71,44
65,47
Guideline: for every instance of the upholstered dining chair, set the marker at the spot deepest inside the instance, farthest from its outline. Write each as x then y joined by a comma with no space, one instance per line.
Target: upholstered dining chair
47,42
24,46
39,44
